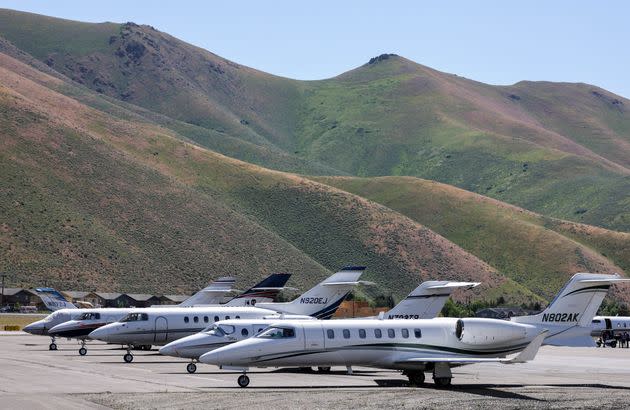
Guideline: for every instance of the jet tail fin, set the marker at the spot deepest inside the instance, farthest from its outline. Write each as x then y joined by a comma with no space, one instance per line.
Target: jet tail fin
323,299
573,307
211,294
427,300
265,291
53,299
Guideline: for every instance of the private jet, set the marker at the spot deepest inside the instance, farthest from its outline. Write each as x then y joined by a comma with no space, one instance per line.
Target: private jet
416,346
424,302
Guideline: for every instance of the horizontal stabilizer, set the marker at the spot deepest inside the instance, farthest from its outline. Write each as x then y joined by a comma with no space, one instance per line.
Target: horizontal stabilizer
360,282
604,280
449,285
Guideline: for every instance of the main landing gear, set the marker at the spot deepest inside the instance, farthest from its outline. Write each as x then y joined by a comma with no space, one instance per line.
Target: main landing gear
416,377
52,345
192,367
442,376
243,380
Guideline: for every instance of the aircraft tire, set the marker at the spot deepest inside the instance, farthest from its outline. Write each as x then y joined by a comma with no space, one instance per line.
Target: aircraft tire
243,380
52,346
323,369
416,378
442,381
191,368
128,358
83,351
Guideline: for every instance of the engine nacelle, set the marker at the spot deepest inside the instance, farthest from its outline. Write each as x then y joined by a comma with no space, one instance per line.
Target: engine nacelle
476,331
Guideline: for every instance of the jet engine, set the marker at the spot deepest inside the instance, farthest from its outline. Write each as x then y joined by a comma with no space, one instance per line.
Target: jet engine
475,331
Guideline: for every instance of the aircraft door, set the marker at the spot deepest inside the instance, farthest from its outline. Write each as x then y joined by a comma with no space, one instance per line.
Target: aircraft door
161,329
608,323
313,337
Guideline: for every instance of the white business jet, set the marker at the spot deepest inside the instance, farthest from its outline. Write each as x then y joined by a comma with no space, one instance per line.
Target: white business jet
415,346
424,302
159,326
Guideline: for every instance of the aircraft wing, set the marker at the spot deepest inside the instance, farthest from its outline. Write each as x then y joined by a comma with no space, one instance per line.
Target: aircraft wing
525,355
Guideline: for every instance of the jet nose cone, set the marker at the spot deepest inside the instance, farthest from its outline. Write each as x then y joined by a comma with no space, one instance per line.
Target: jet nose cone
35,328
168,350
99,334
213,357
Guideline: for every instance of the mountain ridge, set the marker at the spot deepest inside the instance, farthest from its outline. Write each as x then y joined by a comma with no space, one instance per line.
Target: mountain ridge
273,175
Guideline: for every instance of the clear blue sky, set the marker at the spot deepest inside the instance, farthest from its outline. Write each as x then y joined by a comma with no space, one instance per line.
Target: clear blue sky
497,42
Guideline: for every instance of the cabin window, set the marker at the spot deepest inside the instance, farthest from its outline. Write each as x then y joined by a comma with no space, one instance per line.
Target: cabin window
362,333
597,321
346,333
186,320
196,319
278,333
216,318
330,333
205,319
227,318
377,333
244,332
417,333
237,317
405,333
391,333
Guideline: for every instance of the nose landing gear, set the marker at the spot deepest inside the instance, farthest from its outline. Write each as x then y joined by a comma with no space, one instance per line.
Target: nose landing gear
82,350
128,357
243,380
52,345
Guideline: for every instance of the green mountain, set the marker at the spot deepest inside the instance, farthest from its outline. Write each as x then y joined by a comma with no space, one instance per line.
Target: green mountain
97,200
559,149
114,178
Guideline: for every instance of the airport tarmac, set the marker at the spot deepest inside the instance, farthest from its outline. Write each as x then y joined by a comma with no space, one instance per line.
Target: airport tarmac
31,376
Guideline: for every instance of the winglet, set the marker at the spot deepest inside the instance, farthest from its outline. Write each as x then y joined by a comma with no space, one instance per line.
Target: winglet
529,353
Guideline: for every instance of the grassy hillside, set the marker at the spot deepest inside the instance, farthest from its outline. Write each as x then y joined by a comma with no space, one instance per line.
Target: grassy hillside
113,176
395,117
562,150
98,201
538,252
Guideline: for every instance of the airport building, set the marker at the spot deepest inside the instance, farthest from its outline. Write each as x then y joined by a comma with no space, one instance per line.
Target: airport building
18,297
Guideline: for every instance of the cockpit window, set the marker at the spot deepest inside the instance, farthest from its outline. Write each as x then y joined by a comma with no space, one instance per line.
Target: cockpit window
278,333
89,316
227,329
135,317
52,316
214,330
